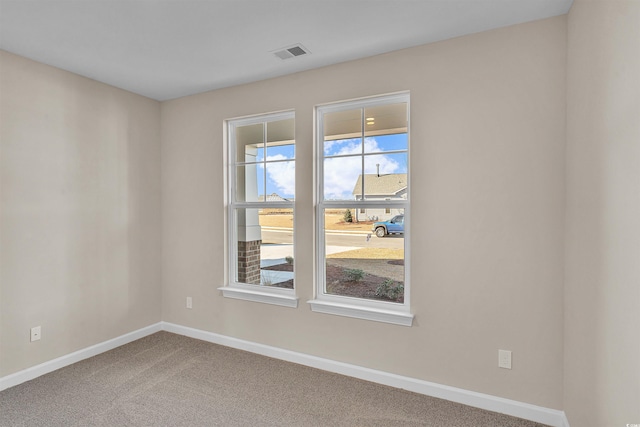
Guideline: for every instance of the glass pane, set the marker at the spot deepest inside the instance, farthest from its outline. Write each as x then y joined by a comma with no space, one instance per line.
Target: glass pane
249,182
386,119
281,181
379,144
341,147
385,176
281,139
281,152
250,143
342,125
342,178
369,264
264,245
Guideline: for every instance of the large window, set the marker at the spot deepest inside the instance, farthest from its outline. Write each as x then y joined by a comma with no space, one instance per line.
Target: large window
260,194
363,209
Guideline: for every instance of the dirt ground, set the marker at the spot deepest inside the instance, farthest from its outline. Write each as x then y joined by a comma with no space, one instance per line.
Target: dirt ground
376,272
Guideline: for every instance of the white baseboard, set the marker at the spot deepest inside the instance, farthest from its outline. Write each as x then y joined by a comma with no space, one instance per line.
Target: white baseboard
514,408
69,359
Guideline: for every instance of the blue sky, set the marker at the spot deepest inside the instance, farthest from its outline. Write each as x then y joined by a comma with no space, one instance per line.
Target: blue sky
280,175
340,174
383,143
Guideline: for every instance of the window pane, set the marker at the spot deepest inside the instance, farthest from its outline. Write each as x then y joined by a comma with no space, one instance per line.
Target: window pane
385,176
343,125
281,181
385,164
280,139
264,242
382,143
249,143
281,152
342,178
386,119
249,183
364,265
341,147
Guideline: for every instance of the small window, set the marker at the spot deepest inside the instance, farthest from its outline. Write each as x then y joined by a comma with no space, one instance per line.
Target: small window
363,163
261,191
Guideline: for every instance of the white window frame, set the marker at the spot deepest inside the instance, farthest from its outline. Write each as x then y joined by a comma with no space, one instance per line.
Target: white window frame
360,308
233,288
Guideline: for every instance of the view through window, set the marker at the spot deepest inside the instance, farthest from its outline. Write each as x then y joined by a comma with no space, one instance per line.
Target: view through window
261,200
363,201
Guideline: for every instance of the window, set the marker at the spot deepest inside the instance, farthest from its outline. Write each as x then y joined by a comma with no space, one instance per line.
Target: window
260,201
363,165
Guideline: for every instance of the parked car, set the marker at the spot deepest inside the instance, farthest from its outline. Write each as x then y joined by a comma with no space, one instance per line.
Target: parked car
393,226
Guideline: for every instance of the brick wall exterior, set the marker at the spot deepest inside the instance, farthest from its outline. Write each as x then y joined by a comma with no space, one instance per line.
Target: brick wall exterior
249,262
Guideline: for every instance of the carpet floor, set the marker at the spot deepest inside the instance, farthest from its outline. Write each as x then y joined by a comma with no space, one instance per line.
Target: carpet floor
171,380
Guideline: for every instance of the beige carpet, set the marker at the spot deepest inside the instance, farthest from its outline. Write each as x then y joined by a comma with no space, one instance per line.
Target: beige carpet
171,380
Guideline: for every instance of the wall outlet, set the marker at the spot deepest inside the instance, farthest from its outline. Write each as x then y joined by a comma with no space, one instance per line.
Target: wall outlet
36,331
504,359
189,302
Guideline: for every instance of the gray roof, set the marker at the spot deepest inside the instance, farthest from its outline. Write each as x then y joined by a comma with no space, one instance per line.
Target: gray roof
385,184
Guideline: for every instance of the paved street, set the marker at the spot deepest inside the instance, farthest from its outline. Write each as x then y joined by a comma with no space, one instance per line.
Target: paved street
340,239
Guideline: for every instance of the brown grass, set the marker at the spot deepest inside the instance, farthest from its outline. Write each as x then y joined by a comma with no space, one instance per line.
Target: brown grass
370,253
333,221
276,220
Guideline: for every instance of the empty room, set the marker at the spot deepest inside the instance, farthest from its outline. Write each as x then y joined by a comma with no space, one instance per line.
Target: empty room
320,213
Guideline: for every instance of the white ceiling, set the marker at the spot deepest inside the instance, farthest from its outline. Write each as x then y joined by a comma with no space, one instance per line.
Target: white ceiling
165,49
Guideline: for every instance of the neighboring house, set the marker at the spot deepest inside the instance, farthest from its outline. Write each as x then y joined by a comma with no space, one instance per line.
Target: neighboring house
391,186
273,197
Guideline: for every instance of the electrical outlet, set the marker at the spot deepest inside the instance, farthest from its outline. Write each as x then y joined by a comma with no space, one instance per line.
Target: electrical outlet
189,302
35,333
504,359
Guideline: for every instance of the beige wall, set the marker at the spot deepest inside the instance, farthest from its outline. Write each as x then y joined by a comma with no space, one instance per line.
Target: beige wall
488,159
81,225
80,212
602,297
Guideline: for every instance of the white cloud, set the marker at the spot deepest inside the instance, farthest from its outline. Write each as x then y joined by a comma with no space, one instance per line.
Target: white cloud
283,175
341,173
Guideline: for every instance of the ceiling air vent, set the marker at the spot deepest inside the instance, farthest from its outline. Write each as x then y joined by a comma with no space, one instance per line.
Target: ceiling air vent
292,51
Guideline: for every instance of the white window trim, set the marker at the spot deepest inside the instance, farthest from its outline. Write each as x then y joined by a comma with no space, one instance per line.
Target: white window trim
233,289
374,310
359,312
238,291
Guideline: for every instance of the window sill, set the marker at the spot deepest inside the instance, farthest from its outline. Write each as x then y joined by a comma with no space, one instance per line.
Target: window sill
259,296
360,312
